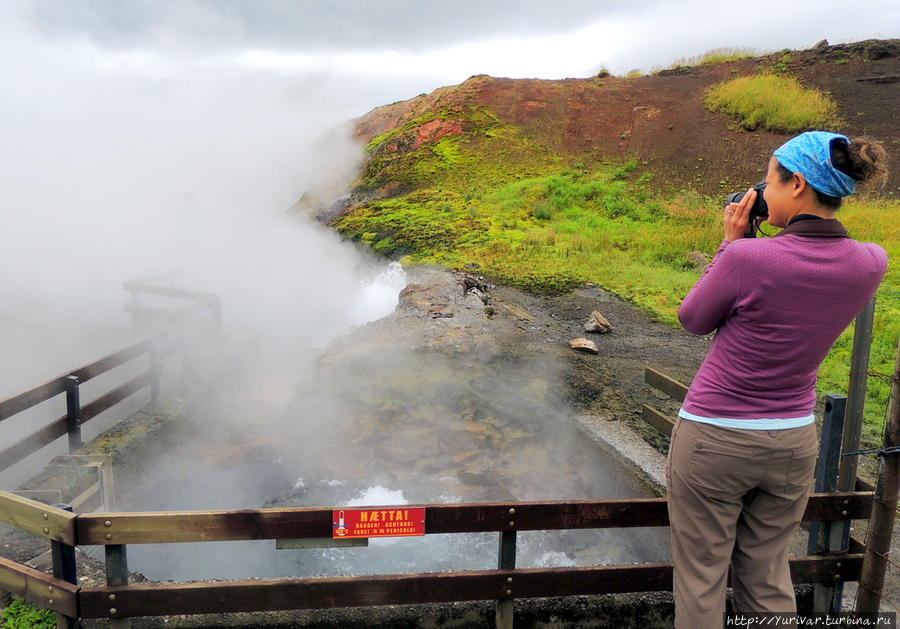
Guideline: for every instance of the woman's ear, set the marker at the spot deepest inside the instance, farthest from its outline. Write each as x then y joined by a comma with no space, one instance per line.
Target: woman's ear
799,185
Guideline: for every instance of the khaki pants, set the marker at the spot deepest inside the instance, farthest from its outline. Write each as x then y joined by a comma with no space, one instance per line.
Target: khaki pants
735,497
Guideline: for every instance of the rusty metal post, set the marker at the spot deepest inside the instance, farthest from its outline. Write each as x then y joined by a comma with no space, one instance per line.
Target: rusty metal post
856,396
64,568
827,537
73,413
884,508
116,574
506,561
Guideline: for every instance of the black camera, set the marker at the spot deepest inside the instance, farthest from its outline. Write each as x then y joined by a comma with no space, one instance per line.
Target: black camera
759,209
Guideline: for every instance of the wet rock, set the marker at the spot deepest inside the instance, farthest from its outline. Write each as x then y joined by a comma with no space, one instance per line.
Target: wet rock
476,286
597,323
584,345
483,480
473,301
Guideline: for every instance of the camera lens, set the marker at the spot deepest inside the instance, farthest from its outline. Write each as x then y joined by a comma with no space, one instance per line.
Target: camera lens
735,198
760,208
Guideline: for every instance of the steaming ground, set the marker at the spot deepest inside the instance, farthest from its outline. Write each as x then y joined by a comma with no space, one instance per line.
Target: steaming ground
127,163
440,401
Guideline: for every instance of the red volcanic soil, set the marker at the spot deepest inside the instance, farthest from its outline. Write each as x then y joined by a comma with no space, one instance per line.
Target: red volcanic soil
661,119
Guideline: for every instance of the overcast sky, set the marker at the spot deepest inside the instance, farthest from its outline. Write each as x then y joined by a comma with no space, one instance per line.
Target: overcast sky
387,50
138,136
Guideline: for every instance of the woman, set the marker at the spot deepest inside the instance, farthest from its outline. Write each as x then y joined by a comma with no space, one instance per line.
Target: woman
744,448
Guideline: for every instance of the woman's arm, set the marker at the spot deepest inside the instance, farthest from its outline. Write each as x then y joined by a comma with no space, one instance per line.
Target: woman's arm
714,296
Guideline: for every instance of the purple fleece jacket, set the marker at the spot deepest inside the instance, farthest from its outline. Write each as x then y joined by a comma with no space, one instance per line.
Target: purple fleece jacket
777,305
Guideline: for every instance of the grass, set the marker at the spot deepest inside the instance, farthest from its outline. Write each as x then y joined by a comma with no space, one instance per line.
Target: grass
493,196
776,102
22,615
716,55
710,57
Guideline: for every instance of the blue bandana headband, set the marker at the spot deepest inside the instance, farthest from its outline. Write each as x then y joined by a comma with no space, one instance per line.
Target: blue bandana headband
810,155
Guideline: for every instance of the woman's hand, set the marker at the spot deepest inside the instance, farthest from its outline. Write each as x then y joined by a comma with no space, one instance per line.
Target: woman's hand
736,216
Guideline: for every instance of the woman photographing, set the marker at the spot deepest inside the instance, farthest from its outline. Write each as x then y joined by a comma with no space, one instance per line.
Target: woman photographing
743,450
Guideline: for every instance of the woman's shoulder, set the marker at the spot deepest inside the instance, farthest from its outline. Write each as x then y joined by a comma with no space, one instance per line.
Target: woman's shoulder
770,248
876,251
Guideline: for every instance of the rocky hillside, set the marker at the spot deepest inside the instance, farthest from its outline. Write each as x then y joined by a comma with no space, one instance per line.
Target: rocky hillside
659,120
619,182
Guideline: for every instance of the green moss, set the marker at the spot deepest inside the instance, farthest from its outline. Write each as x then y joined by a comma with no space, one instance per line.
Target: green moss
487,152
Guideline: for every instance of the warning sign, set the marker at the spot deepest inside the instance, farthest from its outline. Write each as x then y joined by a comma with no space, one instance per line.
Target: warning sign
383,522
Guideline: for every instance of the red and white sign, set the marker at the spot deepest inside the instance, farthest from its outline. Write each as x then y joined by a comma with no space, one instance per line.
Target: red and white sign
380,522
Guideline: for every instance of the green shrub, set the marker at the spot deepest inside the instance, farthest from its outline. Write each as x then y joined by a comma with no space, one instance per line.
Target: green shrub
22,615
542,211
774,102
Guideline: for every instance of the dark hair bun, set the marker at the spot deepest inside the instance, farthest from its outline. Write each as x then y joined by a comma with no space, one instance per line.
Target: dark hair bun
863,158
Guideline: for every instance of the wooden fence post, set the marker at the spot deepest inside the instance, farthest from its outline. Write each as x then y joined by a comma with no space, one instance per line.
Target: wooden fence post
884,508
856,395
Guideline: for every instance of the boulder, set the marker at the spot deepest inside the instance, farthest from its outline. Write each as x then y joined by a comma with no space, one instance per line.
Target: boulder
584,345
699,259
597,323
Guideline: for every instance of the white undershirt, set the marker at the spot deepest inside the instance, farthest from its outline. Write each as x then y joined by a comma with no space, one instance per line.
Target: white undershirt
763,423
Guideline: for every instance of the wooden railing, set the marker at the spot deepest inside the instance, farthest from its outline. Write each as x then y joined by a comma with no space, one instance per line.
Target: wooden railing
120,601
671,387
198,302
155,347
76,413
